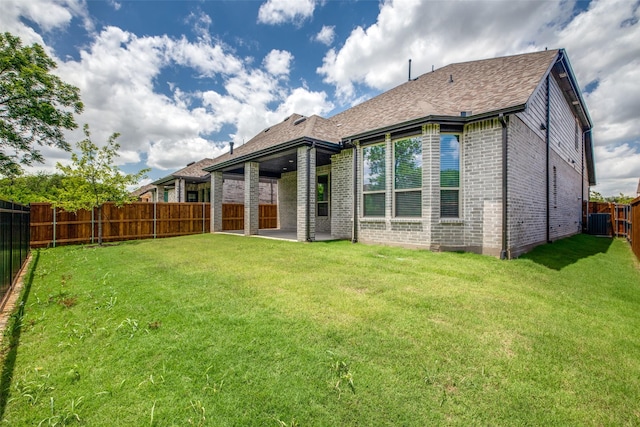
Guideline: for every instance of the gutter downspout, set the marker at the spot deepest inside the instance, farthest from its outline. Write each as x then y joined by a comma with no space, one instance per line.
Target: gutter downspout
585,226
547,132
354,236
504,253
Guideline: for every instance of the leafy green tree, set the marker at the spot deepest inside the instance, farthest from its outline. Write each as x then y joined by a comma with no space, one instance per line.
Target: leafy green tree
93,179
35,105
620,199
595,196
27,189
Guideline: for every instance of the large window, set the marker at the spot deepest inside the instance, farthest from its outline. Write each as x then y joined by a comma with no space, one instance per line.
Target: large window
323,195
374,178
449,176
407,156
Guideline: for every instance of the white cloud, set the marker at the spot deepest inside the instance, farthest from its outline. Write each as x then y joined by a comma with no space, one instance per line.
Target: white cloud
305,102
618,169
277,62
602,44
116,77
169,153
48,15
377,56
326,35
281,11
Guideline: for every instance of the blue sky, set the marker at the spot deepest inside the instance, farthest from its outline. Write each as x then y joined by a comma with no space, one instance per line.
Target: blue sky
180,79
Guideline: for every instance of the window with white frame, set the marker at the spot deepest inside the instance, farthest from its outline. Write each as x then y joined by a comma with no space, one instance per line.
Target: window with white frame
449,175
373,179
407,172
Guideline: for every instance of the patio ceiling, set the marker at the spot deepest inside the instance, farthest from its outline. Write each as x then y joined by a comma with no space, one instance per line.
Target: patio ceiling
275,165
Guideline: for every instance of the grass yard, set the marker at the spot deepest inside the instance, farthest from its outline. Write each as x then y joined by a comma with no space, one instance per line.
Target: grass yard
230,331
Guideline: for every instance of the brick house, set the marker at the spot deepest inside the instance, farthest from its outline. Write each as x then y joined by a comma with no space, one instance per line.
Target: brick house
193,184
492,156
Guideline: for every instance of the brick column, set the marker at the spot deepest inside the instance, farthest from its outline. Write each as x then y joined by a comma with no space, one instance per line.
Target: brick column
160,193
251,198
431,173
181,194
388,195
216,201
306,182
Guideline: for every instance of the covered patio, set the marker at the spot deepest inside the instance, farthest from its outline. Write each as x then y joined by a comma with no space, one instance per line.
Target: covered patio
291,152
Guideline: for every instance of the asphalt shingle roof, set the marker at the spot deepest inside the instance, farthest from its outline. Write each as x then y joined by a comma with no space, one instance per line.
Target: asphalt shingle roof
476,88
292,128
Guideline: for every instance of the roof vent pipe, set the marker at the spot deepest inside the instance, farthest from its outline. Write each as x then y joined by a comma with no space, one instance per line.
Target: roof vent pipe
450,78
409,69
231,147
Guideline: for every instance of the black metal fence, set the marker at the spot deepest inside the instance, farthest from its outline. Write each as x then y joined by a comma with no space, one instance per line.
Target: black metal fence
14,243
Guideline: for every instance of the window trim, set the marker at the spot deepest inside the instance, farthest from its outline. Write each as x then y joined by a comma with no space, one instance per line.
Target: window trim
367,192
395,190
458,188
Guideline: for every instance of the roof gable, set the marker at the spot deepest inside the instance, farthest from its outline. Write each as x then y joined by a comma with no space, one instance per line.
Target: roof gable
293,128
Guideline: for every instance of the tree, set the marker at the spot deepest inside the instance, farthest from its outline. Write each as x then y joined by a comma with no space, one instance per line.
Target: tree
93,179
595,196
35,105
622,199
27,189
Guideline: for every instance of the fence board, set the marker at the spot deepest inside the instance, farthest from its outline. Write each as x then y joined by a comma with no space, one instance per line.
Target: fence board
634,232
135,221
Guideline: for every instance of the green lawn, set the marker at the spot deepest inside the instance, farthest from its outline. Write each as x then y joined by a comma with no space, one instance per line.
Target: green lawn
224,330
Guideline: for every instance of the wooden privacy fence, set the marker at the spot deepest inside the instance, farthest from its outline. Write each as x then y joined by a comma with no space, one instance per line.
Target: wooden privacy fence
54,227
620,220
605,218
233,216
634,232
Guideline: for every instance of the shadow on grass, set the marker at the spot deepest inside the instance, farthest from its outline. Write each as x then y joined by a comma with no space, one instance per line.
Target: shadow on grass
12,334
564,252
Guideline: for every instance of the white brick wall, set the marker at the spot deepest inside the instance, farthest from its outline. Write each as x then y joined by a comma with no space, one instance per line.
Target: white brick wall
287,201
527,187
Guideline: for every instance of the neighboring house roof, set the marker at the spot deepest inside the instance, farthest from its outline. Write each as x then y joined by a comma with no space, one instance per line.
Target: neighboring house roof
293,129
142,190
193,171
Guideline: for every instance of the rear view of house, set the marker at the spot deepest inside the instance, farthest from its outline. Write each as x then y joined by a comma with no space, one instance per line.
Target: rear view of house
492,156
